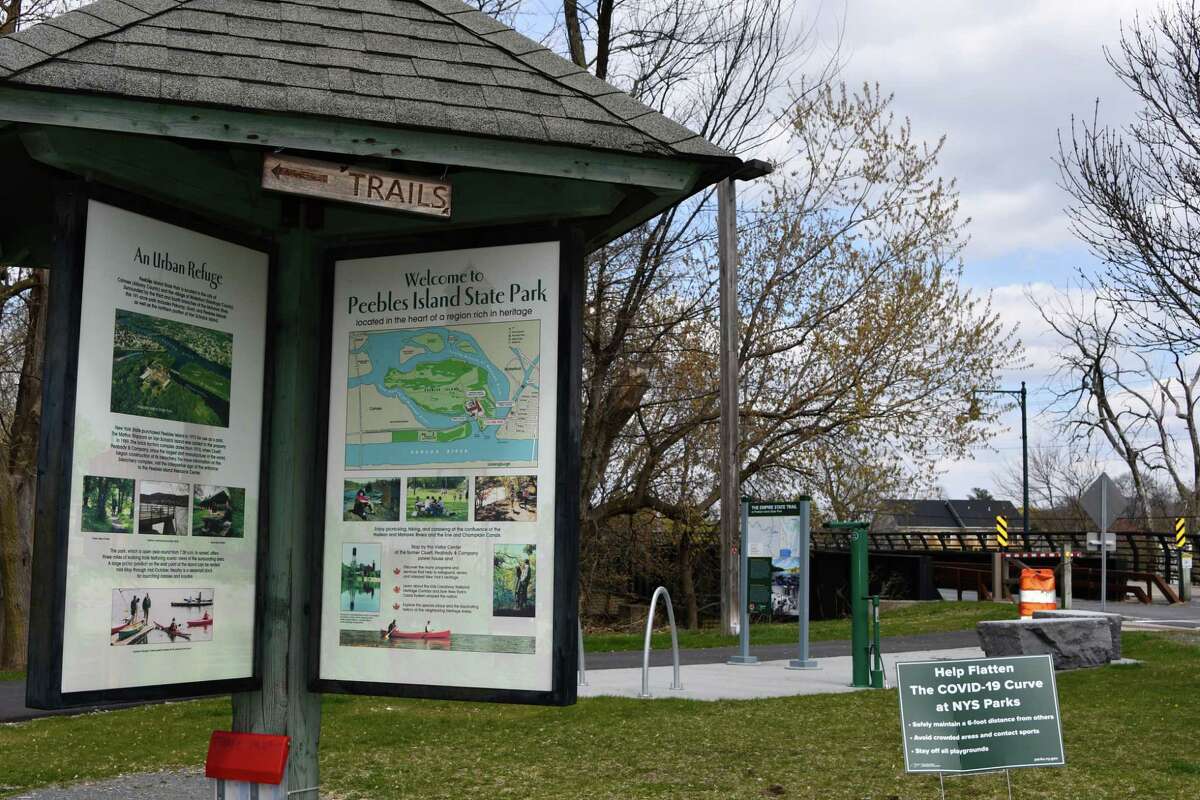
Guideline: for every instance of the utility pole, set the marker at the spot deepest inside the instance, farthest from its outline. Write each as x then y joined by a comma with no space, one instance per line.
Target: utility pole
729,460
1022,396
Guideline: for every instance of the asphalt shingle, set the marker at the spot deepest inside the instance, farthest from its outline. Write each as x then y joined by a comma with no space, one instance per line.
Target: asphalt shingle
430,64
47,39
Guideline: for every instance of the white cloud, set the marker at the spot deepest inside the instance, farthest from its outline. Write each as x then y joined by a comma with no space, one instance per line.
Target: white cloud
999,80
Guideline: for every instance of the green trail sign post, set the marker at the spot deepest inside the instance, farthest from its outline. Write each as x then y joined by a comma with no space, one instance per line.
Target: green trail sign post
979,715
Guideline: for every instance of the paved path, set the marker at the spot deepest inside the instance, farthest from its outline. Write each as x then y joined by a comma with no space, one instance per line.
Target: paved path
775,652
709,681
186,784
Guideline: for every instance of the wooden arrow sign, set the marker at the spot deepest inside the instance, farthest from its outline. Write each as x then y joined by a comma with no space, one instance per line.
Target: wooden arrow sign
351,184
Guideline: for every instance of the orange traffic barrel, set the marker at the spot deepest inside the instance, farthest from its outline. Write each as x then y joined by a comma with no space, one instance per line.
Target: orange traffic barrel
1037,591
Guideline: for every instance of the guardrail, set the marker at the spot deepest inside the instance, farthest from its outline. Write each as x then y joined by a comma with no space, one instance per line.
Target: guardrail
675,683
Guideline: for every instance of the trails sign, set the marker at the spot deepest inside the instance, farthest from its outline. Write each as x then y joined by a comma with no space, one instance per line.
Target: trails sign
979,714
352,184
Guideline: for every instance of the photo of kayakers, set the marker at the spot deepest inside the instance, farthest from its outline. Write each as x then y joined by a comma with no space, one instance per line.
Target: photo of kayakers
361,574
437,499
218,511
514,573
163,508
107,504
161,616
506,498
371,500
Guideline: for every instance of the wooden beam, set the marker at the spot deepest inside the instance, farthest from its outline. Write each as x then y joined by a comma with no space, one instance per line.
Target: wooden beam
322,135
157,168
229,187
284,705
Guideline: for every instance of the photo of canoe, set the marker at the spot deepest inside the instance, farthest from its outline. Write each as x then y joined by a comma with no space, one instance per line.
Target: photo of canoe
399,634
107,505
362,566
160,616
163,508
198,600
454,642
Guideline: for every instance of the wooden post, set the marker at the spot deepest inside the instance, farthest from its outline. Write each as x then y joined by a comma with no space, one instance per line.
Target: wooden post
729,462
284,705
998,577
1067,589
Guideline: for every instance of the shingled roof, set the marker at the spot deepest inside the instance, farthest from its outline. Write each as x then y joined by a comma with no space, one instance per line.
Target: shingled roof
425,64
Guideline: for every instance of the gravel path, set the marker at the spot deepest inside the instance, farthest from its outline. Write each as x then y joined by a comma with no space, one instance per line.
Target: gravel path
186,784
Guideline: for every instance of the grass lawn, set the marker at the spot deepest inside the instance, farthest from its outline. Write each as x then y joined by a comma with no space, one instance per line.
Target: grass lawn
936,617
10,675
1120,726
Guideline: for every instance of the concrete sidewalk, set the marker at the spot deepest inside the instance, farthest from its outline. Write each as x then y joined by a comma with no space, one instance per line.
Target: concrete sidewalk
752,681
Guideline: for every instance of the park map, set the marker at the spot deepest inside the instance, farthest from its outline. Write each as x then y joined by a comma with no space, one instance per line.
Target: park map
464,395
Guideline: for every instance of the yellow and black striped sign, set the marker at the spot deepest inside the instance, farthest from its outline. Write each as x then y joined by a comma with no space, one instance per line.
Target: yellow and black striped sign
1180,532
1002,530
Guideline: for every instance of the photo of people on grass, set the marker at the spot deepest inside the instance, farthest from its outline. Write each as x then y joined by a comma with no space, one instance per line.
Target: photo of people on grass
161,616
437,499
514,572
362,566
506,498
163,508
371,500
107,504
218,511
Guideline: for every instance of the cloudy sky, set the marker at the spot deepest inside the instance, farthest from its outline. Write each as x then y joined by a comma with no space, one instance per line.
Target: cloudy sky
999,79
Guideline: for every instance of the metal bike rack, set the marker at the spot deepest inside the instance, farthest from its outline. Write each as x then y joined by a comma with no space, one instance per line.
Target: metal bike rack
675,684
581,676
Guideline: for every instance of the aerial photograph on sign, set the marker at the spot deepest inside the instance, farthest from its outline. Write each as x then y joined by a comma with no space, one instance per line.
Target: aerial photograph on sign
218,511
161,616
464,394
170,370
107,504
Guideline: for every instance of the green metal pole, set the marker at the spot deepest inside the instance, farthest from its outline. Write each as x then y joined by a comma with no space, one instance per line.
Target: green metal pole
877,664
860,632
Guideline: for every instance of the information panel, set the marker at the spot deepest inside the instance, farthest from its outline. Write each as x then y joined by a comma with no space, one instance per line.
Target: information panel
439,552
773,541
163,515
980,714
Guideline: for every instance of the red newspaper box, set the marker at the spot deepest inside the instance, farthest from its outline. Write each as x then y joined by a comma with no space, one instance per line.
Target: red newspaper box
250,757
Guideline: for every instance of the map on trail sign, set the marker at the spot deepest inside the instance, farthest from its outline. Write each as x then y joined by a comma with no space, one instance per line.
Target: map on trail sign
435,396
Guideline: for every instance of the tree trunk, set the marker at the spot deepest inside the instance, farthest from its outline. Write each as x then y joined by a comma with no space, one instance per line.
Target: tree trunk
687,581
18,489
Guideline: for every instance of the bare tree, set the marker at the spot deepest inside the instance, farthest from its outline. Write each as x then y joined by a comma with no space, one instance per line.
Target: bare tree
22,340
1135,189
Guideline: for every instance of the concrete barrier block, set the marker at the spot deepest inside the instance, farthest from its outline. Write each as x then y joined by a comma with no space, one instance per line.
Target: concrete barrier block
1114,623
1073,643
